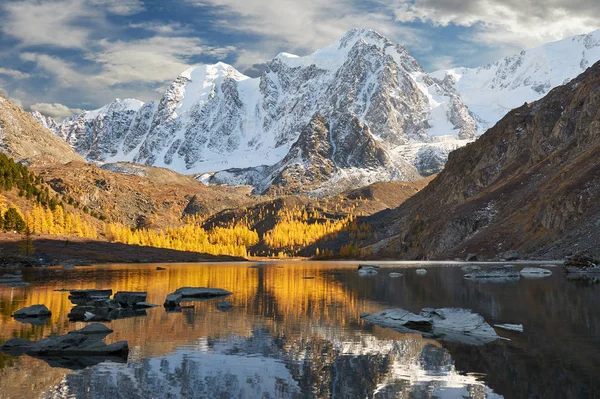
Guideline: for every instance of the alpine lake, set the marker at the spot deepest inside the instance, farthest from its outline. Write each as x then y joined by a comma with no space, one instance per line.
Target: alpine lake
295,331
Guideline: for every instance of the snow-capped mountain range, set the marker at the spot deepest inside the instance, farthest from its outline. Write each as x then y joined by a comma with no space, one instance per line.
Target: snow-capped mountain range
358,111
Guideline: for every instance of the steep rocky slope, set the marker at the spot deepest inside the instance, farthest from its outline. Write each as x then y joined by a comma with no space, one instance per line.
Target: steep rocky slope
22,138
530,183
142,196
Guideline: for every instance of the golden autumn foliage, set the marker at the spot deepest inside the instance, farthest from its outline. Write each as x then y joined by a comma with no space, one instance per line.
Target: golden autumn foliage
233,240
42,220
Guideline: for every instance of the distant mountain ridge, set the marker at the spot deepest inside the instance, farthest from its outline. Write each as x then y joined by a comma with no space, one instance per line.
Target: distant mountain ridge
215,122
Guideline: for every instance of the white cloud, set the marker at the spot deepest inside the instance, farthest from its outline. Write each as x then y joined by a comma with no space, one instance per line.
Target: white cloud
55,110
303,26
515,24
13,73
156,59
47,22
120,7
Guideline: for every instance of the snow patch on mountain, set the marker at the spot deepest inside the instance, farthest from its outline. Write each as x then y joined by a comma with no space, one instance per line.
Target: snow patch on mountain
491,91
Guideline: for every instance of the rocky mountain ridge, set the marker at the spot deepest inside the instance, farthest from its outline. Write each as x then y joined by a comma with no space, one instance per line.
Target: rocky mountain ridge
530,184
227,128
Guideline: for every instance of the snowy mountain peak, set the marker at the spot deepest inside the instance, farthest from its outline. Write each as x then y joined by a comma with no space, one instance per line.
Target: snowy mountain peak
385,114
493,90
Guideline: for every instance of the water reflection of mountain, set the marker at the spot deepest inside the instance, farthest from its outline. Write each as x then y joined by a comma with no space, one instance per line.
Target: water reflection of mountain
263,366
313,328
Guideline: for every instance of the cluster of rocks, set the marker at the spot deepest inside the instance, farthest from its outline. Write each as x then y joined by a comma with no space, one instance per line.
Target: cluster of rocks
13,280
97,305
75,350
581,263
503,274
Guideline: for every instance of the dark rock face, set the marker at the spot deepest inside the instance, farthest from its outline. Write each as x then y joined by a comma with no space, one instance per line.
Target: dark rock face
130,299
531,183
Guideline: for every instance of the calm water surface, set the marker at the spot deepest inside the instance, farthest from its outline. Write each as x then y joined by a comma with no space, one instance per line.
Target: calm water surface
292,337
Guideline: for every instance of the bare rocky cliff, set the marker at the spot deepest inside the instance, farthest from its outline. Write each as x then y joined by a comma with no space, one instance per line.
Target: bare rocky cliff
531,183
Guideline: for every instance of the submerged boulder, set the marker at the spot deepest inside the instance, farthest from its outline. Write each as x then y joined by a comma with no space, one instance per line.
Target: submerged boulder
224,306
32,312
201,292
448,324
94,328
497,274
510,327
535,272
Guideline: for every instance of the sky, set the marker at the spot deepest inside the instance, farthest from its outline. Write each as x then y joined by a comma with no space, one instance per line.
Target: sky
62,56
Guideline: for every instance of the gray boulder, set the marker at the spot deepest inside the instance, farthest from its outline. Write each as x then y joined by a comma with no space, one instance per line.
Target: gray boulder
494,274
94,328
129,299
201,292
448,324
89,297
33,311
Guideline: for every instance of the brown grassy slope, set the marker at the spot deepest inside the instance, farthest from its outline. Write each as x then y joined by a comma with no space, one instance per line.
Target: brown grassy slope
22,138
531,183
156,195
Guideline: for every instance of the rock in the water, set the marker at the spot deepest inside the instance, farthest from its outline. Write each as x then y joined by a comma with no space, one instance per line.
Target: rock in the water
173,300
510,255
201,292
33,311
421,272
160,268
510,327
449,324
470,268
224,306
360,267
87,297
72,344
94,328
366,271
471,258
129,299
395,275
535,272
495,274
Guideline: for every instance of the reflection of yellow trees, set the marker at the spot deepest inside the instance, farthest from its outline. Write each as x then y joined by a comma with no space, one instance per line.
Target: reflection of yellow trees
233,240
272,292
